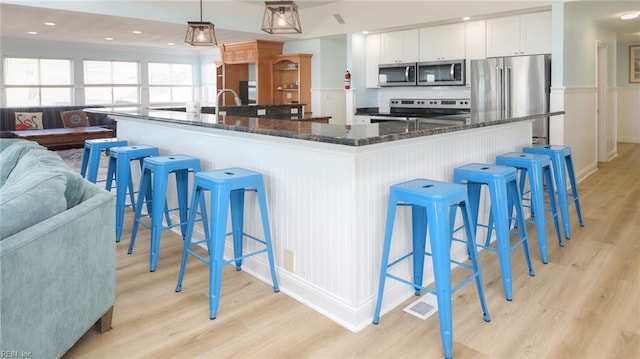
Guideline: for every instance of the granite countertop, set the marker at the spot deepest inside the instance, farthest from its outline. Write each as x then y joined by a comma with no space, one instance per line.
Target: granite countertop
312,128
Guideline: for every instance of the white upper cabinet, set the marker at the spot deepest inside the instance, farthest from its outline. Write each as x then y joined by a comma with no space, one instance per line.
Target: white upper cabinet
399,46
475,47
519,35
446,42
373,60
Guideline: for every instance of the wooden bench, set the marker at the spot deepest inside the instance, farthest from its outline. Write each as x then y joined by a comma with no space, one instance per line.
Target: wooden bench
64,137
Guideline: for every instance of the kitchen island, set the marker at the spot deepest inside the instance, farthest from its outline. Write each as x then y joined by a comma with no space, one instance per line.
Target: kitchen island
327,189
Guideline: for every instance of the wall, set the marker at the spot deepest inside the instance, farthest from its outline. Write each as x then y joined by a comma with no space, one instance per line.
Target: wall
575,88
628,94
78,52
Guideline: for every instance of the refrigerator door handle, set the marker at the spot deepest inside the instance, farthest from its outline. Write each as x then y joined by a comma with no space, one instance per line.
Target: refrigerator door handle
507,97
500,90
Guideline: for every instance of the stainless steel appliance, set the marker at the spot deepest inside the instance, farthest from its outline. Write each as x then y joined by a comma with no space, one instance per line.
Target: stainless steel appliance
403,74
513,86
441,73
247,92
411,109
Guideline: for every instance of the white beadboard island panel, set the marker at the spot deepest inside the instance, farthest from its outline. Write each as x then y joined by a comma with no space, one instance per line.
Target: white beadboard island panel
327,202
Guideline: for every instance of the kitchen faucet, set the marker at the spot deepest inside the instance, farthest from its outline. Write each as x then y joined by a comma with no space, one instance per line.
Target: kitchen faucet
235,98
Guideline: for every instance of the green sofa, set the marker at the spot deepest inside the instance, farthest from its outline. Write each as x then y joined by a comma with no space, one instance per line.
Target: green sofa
57,253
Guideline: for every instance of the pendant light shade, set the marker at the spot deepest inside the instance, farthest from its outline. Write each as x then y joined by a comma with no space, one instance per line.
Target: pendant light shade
201,33
281,17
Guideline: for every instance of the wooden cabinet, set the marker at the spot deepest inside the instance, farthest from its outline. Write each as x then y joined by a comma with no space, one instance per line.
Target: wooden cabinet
372,60
399,46
291,79
446,42
525,34
236,59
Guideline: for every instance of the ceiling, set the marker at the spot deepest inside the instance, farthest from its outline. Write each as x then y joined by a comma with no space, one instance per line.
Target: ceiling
164,21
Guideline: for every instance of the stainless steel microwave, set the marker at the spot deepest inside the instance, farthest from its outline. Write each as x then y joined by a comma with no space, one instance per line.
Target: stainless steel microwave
402,74
441,73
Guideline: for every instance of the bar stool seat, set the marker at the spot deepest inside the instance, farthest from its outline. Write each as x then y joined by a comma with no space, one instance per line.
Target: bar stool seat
120,169
91,155
538,169
562,162
227,188
505,196
435,203
155,177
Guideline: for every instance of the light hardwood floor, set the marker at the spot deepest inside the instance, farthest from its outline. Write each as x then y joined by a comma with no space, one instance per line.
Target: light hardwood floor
585,303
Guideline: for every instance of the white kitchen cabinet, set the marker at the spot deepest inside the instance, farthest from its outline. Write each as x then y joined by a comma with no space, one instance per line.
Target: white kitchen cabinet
372,61
475,44
519,35
445,42
399,46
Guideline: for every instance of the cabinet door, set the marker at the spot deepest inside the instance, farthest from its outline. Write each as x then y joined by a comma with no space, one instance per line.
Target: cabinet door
503,36
474,44
444,42
535,33
372,60
452,41
399,47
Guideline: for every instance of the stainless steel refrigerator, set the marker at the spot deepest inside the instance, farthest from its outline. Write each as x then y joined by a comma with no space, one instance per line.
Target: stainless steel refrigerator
513,86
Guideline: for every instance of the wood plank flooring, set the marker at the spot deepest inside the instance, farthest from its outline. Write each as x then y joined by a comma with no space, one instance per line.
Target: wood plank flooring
585,303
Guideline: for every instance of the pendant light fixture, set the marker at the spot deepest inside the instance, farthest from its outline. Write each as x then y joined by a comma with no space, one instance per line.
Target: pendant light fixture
281,17
201,33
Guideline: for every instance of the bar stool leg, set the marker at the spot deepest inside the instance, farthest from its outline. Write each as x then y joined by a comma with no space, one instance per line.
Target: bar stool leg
561,187
574,189
145,187
158,204
499,206
441,256
237,225
515,196
419,235
182,184
85,161
195,200
552,202
537,206
219,199
267,234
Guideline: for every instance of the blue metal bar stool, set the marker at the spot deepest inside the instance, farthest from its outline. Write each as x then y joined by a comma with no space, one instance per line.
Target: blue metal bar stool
155,176
505,195
436,202
538,169
562,162
91,155
227,188
120,169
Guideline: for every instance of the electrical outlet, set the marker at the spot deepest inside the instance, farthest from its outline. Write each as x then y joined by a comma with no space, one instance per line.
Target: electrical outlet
288,95
289,260
262,112
294,111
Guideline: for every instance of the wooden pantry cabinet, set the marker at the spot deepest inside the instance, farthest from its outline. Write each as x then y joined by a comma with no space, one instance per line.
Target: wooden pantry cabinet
236,58
291,80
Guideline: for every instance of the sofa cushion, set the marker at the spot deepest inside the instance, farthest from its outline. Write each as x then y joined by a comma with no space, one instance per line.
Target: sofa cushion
76,118
31,200
10,156
29,121
75,182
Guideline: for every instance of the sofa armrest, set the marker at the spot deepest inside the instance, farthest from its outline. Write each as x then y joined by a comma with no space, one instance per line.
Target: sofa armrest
57,278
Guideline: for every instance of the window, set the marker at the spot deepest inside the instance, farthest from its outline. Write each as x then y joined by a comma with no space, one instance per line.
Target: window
170,83
37,82
111,82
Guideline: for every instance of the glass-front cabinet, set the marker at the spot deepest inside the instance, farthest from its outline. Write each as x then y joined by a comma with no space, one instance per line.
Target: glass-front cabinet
291,80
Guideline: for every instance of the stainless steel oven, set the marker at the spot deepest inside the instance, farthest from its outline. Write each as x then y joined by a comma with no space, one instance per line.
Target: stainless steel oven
441,73
397,74
425,109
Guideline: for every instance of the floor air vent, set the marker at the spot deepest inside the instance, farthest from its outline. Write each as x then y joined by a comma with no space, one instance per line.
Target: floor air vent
423,307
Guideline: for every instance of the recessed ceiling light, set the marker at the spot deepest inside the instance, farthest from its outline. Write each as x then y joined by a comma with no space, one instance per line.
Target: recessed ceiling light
108,38
466,18
170,43
629,16
136,32
50,23
365,32
33,33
